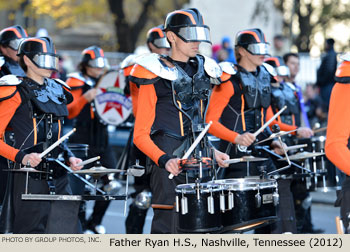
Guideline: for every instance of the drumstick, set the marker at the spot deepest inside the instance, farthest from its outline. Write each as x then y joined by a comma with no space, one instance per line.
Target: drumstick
319,130
194,145
55,144
88,161
233,161
293,147
269,121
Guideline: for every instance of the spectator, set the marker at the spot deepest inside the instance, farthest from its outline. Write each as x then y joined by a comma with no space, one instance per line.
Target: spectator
326,71
279,45
226,53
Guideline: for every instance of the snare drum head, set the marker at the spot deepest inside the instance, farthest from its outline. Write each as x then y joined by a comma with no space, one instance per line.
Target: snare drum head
191,188
111,105
245,184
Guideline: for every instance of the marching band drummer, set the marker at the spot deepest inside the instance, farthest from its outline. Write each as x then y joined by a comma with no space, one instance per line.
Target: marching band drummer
238,106
338,132
10,39
285,92
90,130
238,109
156,43
34,106
172,101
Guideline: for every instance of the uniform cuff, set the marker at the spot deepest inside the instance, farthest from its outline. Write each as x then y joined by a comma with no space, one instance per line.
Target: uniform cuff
19,157
163,160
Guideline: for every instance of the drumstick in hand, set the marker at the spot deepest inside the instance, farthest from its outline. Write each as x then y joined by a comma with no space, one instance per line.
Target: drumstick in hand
269,121
194,145
88,161
319,130
55,144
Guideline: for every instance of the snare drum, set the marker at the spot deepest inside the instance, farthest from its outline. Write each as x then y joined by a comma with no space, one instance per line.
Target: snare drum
198,208
247,203
326,177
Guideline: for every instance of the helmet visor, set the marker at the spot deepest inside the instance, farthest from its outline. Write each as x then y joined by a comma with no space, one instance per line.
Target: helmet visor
99,62
195,34
14,44
258,49
46,61
161,43
282,71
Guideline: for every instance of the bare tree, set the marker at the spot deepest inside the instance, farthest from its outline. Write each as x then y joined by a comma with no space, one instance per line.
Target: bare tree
127,34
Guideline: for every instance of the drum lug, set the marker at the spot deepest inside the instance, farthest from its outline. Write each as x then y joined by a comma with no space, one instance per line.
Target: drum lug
222,202
211,209
231,202
258,200
242,148
177,204
184,205
276,198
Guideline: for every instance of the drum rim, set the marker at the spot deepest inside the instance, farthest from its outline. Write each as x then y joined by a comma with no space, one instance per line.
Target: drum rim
241,186
189,188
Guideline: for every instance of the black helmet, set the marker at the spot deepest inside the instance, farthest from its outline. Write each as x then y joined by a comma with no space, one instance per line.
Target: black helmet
41,51
93,56
278,64
188,24
12,36
253,40
157,37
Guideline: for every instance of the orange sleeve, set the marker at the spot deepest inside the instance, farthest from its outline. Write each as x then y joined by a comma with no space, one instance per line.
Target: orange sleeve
134,90
127,70
142,73
144,120
7,110
283,126
78,102
218,101
338,129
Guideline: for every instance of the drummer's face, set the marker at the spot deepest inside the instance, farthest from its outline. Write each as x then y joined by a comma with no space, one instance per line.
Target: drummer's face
94,71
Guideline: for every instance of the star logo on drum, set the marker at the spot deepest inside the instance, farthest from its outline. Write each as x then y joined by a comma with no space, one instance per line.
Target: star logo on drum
113,104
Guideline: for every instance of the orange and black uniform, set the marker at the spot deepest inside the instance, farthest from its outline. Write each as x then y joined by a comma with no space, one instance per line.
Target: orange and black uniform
136,217
8,66
237,106
91,131
133,88
35,113
166,111
338,134
240,105
284,95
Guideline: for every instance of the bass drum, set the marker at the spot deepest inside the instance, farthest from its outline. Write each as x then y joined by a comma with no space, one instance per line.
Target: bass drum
111,105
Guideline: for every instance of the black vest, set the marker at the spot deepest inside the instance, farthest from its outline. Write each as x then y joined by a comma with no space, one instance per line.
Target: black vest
256,92
284,96
47,104
11,67
191,91
37,121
